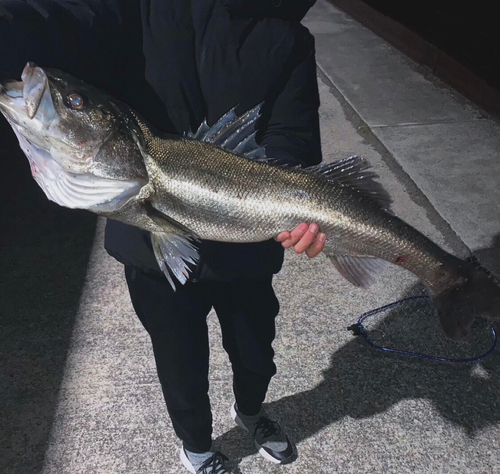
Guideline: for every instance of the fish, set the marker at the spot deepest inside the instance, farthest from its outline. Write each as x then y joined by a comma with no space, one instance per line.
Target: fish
88,150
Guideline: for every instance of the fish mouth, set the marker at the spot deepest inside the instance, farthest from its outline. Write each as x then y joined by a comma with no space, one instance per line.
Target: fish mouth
35,87
27,98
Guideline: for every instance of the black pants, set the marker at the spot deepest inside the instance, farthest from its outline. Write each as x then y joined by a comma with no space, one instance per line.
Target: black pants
176,323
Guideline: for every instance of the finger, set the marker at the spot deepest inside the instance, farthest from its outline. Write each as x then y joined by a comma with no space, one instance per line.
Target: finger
283,236
295,235
317,246
307,239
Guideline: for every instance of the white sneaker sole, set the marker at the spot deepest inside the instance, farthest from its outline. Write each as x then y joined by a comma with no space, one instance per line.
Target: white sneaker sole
186,462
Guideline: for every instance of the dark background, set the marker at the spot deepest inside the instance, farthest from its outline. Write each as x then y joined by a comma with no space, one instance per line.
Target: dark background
467,31
458,41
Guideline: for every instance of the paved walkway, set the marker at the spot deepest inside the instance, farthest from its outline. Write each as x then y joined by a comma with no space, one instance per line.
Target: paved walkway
78,383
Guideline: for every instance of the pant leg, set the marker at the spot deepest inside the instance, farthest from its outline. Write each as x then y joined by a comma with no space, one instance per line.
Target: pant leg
247,312
176,323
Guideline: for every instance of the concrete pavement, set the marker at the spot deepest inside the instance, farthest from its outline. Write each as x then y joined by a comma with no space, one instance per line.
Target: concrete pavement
78,383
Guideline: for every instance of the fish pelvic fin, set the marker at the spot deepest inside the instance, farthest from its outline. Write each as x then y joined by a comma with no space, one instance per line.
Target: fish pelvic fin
360,271
174,248
476,294
174,253
233,133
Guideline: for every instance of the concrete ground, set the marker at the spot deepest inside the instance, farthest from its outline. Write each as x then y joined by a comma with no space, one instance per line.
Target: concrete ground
78,387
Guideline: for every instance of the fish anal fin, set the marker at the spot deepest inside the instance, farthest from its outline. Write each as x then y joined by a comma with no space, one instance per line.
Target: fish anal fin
359,271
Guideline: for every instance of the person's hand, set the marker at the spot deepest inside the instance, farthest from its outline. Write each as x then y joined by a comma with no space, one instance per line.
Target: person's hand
304,238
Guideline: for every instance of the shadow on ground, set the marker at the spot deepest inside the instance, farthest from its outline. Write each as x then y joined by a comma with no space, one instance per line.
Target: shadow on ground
362,382
44,251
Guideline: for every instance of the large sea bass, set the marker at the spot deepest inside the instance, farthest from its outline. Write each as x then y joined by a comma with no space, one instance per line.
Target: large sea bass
89,151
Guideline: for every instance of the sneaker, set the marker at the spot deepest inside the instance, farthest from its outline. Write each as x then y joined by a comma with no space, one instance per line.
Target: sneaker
270,440
213,465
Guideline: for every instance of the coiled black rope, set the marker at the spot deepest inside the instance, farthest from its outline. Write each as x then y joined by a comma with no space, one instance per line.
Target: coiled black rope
359,330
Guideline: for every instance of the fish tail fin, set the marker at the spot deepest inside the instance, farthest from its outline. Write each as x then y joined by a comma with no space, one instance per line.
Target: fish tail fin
477,294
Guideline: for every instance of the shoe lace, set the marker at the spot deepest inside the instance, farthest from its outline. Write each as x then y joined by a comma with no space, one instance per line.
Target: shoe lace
267,427
214,465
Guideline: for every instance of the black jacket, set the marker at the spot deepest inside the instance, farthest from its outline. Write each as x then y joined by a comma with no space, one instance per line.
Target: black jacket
178,62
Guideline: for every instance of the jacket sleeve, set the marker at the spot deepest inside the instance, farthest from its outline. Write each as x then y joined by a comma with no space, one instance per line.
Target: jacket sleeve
244,62
292,130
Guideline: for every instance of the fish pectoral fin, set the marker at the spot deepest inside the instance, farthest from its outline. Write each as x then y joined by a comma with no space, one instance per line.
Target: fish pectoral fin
358,270
167,223
174,253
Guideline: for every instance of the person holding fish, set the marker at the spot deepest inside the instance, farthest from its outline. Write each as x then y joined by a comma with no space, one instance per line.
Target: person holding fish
187,62
233,53
188,154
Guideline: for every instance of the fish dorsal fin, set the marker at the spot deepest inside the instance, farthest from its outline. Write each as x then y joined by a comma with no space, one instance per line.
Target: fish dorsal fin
359,271
354,172
233,133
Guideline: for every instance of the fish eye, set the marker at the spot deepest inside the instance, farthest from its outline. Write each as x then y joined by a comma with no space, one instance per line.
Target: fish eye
76,101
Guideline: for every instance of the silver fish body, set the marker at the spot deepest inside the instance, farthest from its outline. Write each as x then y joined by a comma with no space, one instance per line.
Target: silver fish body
196,184
90,151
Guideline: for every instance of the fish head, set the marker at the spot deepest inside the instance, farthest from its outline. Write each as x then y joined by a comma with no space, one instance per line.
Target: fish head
84,148
82,128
